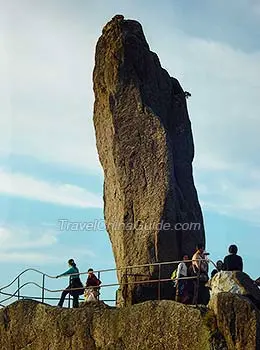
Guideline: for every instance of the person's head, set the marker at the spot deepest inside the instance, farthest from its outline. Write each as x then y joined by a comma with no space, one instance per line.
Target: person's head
71,262
90,272
185,257
232,249
219,265
200,247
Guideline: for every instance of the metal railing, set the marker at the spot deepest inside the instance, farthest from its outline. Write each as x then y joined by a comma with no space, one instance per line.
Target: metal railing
17,293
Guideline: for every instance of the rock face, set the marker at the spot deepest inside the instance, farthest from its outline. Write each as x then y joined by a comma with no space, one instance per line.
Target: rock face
232,323
151,325
145,146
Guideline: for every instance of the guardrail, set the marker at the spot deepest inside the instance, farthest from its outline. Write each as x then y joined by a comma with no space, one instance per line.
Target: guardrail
17,293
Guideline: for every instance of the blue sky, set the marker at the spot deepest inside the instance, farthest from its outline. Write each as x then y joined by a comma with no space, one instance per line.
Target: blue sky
49,168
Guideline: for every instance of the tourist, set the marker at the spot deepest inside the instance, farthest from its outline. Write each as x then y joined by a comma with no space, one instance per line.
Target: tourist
200,269
92,286
74,282
219,267
182,284
199,262
233,262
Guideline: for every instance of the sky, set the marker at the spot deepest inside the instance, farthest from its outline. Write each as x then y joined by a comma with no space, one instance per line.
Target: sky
49,167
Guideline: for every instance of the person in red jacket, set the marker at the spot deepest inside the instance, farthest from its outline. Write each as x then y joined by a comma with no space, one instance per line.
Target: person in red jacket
92,286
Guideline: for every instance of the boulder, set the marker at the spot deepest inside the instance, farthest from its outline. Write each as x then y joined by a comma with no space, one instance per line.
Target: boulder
237,320
145,145
235,282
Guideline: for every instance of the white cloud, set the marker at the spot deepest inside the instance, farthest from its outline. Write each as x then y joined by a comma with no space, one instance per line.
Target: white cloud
21,185
46,87
228,195
27,246
18,238
30,258
36,246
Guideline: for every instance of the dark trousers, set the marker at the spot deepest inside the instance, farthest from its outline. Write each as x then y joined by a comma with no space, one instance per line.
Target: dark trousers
75,296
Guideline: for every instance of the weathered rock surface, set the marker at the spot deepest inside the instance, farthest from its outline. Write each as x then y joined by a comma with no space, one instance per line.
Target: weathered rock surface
232,323
237,320
145,146
151,325
235,282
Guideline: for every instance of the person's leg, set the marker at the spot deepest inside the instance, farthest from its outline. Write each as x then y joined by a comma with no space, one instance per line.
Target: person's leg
185,296
63,296
75,302
178,291
196,292
204,294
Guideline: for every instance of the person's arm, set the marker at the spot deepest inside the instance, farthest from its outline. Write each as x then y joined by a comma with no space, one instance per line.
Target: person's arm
68,272
179,270
98,282
195,262
87,282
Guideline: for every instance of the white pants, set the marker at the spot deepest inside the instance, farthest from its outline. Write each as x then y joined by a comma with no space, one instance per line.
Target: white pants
91,294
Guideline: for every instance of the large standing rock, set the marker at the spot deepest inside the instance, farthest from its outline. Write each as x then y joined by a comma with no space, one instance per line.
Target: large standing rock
146,149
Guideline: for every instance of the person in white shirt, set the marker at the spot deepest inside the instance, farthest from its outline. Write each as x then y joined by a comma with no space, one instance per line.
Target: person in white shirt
182,284
199,261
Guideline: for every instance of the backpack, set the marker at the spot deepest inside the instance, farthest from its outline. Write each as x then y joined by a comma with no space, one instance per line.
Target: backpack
174,274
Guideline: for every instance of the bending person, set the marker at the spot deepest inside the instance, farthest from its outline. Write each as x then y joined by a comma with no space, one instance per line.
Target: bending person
74,282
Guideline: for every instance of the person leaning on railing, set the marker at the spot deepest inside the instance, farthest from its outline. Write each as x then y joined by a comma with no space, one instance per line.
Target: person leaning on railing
75,282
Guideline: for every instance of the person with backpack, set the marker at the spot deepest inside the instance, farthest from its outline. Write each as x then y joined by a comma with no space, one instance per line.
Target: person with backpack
233,262
74,282
92,286
182,284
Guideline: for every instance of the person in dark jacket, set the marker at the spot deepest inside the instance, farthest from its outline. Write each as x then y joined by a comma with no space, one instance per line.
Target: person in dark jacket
233,262
219,265
75,282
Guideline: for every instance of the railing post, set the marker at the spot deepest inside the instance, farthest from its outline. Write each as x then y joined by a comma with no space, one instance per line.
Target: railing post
196,294
197,286
98,289
159,283
69,301
18,290
43,287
